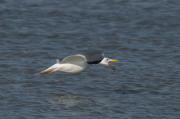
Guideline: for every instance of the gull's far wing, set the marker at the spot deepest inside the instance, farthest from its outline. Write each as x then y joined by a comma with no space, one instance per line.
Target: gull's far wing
73,59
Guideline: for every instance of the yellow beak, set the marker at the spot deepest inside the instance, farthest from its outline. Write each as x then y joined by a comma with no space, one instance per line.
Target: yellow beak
111,67
114,60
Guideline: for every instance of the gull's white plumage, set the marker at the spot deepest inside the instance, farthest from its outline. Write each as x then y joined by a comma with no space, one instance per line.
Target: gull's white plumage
78,63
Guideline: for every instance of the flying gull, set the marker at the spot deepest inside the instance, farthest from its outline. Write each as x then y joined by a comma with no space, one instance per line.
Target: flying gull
79,63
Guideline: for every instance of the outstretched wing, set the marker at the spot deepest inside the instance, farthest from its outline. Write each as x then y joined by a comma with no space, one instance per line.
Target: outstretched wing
73,59
93,57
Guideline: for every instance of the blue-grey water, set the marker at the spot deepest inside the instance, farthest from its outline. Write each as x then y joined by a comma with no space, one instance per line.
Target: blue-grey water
143,35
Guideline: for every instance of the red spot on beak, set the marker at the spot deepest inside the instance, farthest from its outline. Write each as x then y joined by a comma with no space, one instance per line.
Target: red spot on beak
111,66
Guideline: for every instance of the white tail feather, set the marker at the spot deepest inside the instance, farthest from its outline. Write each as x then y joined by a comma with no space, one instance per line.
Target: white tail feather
52,68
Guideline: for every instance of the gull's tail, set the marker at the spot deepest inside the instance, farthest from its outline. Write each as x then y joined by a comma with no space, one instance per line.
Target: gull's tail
50,69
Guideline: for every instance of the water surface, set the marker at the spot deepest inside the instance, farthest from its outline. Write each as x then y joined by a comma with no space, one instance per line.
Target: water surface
142,35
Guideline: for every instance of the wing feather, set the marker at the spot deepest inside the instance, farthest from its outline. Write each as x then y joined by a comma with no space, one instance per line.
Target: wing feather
73,59
93,57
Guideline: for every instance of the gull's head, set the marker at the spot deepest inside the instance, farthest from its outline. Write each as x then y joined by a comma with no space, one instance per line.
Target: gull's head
106,61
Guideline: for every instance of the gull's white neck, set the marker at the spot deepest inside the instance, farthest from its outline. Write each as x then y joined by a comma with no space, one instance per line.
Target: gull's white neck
104,62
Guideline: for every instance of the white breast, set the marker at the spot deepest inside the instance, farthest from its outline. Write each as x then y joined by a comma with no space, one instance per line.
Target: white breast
72,68
73,64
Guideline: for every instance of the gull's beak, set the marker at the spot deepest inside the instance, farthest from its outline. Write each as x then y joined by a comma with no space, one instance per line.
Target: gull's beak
113,60
111,67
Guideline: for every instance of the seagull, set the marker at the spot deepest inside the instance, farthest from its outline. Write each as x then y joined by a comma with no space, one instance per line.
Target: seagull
79,63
